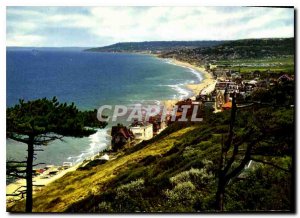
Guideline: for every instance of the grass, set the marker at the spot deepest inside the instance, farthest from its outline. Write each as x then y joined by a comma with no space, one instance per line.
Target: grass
77,185
282,64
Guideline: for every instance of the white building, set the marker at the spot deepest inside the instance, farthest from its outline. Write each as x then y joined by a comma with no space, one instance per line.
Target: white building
142,131
231,86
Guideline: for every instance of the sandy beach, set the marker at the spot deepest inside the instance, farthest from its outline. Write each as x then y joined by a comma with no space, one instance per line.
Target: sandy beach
40,180
37,180
206,85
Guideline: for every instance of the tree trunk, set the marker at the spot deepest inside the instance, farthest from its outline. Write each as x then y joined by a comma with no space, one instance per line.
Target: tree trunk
220,193
222,182
29,177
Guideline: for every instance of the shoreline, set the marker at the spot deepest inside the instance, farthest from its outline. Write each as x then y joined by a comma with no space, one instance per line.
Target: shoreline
18,184
196,88
38,180
207,82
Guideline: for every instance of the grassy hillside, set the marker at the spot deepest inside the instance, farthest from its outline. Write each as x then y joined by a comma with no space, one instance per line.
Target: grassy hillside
74,186
177,171
153,46
247,54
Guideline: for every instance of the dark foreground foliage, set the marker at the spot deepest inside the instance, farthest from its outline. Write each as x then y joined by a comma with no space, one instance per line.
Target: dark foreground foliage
185,178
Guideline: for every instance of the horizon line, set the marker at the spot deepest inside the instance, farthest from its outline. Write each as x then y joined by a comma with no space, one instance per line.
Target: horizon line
206,40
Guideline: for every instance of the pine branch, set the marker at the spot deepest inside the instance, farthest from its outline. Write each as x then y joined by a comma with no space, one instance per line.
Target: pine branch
16,176
18,162
18,139
271,164
236,150
34,165
243,163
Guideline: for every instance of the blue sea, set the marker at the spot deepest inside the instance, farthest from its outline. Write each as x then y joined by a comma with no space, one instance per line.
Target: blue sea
89,79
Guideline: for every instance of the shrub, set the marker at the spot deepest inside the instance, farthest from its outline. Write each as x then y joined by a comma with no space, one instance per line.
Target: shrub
182,197
129,197
105,207
197,176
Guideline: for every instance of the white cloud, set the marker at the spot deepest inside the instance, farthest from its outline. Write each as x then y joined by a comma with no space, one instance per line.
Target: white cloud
153,23
25,40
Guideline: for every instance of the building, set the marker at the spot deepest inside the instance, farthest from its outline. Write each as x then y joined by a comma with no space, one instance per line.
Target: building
141,130
227,106
219,73
231,86
247,75
157,123
120,137
284,78
223,100
220,99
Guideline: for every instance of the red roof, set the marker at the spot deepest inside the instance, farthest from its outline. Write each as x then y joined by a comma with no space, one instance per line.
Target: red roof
227,105
126,133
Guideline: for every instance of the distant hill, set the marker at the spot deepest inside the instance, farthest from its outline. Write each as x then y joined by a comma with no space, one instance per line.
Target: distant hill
239,49
154,46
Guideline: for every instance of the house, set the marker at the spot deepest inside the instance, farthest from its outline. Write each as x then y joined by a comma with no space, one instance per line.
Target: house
220,99
219,73
194,106
257,74
209,105
227,106
231,86
262,84
223,100
121,137
284,78
141,130
157,123
247,75
249,86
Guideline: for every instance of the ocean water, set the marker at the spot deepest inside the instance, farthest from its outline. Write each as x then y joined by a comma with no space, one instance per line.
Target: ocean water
89,80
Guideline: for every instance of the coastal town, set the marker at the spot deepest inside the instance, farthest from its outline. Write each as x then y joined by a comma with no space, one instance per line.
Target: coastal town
152,109
215,95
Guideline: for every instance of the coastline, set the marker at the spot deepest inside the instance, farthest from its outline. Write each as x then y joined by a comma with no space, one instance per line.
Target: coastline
41,180
205,84
196,88
38,180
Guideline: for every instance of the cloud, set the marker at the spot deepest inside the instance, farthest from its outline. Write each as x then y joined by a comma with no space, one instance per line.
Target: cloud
107,25
25,40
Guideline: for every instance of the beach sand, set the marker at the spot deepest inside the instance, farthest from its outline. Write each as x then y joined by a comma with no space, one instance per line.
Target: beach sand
37,180
207,83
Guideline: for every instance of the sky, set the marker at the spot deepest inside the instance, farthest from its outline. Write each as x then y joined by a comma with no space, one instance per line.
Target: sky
100,26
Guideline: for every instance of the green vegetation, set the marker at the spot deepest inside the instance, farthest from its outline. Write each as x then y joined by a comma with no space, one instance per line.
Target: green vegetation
276,55
36,123
178,171
244,55
85,183
277,65
153,46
